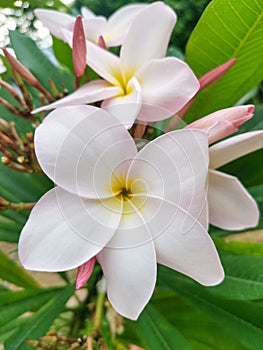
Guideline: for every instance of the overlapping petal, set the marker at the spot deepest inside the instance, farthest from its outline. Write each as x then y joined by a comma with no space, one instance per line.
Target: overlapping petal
93,91
167,84
235,147
55,21
64,231
79,147
174,166
142,44
103,62
182,243
126,106
130,271
119,23
231,207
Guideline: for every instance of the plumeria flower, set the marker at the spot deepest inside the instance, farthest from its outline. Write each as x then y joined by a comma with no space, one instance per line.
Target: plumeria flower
2,67
141,83
231,207
128,209
112,30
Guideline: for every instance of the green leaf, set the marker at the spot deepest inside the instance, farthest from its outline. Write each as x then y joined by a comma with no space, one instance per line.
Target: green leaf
239,247
227,29
157,333
243,280
63,53
17,187
10,271
237,318
198,328
13,304
38,324
33,59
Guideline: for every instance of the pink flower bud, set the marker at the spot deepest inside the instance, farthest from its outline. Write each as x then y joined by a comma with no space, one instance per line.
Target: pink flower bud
215,74
79,49
84,272
223,122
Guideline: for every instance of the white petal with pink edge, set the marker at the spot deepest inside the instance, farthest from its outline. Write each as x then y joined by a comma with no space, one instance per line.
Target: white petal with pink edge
231,207
80,148
119,23
147,38
174,166
182,243
168,83
55,21
62,224
234,147
93,91
130,272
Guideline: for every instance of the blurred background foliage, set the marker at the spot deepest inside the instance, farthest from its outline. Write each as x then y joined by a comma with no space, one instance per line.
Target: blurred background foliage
18,15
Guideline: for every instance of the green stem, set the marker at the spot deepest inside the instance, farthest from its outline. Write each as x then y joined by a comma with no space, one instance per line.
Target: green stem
98,314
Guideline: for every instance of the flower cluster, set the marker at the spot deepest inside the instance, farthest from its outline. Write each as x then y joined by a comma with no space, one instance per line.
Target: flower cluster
125,202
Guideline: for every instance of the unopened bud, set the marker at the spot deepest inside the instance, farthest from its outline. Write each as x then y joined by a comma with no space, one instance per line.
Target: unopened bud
26,75
215,74
79,48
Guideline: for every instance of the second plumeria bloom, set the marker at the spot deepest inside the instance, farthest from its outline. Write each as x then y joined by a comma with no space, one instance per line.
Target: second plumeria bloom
130,209
231,207
142,83
112,30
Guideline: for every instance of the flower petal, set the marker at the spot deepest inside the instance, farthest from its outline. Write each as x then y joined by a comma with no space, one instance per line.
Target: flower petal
234,147
130,271
93,91
147,38
125,107
64,231
103,62
94,27
87,13
55,21
84,272
174,166
231,207
168,83
119,23
234,116
81,148
181,242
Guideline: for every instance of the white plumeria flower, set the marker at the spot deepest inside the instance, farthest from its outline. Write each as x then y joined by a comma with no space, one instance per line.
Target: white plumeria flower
112,30
231,207
127,208
141,83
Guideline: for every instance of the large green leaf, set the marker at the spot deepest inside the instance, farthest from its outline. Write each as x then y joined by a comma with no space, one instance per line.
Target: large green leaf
244,278
227,29
157,333
198,328
242,320
38,324
17,187
12,272
13,304
33,58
